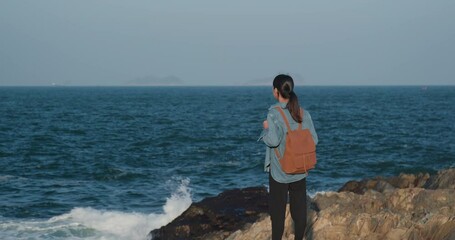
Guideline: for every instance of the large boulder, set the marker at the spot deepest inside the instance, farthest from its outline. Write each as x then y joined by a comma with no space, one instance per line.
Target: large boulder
412,213
409,206
382,184
392,208
217,217
444,179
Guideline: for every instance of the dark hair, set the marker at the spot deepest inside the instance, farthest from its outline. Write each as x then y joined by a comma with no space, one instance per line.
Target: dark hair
285,85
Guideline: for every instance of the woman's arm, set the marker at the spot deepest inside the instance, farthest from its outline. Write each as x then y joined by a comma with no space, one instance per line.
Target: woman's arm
273,134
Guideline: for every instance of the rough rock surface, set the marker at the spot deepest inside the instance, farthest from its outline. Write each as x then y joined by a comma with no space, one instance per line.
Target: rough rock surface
411,213
388,208
382,184
217,217
445,179
405,207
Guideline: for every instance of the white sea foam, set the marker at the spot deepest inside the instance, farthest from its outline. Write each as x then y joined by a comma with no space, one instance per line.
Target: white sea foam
312,194
10,177
89,223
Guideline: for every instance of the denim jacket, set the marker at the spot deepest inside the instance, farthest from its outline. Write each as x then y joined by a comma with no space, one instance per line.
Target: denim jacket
274,137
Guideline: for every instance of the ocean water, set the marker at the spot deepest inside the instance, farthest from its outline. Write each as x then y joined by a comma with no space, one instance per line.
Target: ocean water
117,162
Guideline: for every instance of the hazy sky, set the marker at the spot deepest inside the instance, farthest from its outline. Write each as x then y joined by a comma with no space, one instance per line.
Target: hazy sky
206,42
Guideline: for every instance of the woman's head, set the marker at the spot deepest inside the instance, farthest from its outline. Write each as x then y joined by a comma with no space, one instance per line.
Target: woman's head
283,85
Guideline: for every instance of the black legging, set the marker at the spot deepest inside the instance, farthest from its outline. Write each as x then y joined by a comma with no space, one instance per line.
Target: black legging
278,197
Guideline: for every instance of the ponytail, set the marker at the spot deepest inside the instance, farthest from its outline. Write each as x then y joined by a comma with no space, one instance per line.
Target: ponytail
285,85
294,107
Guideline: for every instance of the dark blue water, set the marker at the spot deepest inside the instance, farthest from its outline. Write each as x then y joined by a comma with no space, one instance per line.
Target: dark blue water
73,157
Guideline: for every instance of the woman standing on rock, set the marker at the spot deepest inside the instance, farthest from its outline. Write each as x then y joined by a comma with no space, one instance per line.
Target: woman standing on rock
280,183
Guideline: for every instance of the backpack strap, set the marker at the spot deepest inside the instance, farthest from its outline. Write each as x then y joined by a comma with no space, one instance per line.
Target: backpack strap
284,117
286,120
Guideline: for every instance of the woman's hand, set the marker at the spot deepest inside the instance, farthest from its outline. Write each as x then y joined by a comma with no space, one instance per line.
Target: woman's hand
265,124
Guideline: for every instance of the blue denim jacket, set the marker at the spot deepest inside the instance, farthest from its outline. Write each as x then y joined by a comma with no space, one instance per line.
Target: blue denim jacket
273,137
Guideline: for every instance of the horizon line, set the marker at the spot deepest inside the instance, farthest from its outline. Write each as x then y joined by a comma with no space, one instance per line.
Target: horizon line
239,85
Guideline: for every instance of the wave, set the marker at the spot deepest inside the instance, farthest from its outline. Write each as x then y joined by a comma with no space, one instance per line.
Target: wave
90,223
10,177
313,194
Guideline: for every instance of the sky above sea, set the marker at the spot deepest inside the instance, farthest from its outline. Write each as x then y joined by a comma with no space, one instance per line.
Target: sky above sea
202,42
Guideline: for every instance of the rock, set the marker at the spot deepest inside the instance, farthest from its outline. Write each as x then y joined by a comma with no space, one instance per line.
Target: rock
217,217
444,179
381,184
413,213
393,208
400,214
262,229
408,206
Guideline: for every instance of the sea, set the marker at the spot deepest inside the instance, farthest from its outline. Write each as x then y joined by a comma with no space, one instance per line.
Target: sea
118,162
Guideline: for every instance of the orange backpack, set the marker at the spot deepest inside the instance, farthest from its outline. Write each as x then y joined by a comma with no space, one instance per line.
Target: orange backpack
300,151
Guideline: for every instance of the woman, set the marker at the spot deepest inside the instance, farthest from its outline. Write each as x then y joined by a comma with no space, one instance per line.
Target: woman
281,183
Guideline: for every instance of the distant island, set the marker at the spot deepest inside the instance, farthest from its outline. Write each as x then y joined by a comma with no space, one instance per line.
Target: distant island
156,81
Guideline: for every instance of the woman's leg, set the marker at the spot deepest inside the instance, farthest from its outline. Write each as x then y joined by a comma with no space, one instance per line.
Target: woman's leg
297,200
278,197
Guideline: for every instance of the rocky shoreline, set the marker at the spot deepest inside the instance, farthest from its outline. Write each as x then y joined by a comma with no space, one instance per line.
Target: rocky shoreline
408,206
